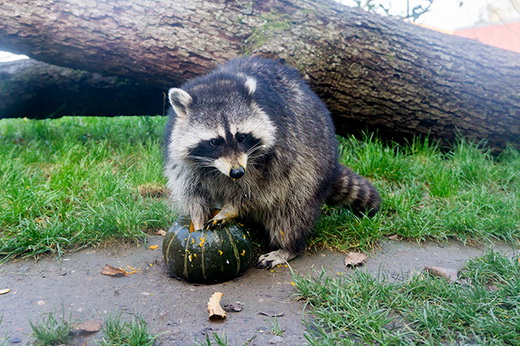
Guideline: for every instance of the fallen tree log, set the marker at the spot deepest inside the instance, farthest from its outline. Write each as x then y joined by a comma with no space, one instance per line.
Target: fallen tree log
373,72
34,89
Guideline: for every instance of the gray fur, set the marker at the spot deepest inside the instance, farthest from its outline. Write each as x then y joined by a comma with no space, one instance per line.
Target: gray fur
289,173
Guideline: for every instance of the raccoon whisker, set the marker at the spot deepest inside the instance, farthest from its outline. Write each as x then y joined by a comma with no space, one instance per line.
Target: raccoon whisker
252,164
200,165
209,173
199,158
253,149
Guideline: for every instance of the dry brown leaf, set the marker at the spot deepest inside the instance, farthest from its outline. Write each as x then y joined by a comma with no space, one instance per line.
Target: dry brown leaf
161,232
112,271
88,327
355,259
214,309
449,274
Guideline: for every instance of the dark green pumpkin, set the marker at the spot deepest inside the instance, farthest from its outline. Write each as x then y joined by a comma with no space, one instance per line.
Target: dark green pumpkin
207,256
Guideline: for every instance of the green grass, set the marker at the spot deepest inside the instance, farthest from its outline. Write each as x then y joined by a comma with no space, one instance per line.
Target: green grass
464,194
73,182
214,339
359,308
51,331
119,333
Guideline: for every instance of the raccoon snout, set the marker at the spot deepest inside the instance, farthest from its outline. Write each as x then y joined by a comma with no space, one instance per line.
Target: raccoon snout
237,172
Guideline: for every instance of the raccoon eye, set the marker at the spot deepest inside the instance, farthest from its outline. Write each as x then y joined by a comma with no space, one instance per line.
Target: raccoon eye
216,142
240,137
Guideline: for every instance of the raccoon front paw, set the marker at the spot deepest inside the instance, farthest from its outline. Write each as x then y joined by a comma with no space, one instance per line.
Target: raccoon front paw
226,214
274,258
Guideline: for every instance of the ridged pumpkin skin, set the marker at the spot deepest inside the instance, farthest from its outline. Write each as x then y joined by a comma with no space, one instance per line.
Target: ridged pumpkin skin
207,256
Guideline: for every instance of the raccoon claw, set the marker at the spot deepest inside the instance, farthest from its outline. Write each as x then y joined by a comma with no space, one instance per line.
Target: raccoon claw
223,216
212,223
274,258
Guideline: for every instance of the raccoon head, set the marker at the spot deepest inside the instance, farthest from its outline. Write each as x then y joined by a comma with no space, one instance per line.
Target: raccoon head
219,125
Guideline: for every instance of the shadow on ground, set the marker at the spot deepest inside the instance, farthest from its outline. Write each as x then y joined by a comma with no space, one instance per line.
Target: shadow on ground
75,286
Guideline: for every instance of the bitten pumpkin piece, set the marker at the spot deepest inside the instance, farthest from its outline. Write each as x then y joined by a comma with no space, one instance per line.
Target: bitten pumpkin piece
214,309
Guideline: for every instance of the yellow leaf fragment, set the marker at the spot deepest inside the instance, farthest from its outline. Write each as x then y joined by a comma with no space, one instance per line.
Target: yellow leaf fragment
154,247
214,309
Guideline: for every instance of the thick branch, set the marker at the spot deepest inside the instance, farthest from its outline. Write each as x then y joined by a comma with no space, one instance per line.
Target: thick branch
35,89
372,71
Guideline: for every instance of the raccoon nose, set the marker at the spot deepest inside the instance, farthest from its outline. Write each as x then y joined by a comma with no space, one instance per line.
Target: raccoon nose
237,172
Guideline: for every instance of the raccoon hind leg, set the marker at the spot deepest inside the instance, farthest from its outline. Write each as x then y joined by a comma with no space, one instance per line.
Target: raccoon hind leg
354,191
274,258
288,227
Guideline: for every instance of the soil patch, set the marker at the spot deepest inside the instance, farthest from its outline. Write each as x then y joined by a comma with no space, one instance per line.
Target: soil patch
75,287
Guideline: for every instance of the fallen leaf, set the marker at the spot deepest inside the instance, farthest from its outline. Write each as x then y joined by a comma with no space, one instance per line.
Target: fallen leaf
112,271
233,307
87,327
449,274
154,247
355,259
214,309
5,291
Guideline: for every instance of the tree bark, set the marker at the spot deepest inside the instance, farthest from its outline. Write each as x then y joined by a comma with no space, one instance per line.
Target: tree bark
373,72
34,89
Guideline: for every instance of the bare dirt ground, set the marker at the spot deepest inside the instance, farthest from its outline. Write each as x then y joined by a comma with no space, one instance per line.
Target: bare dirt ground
74,287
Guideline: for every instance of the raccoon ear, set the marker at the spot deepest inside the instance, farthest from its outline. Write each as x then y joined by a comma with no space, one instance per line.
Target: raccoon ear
180,101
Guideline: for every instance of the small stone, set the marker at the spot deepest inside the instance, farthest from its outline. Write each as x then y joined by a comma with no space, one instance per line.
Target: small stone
15,340
233,307
88,327
276,340
449,274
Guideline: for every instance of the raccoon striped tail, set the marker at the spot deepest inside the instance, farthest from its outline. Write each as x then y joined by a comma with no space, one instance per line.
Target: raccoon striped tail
354,191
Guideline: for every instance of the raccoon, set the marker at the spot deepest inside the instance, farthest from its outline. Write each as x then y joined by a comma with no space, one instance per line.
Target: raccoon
252,139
